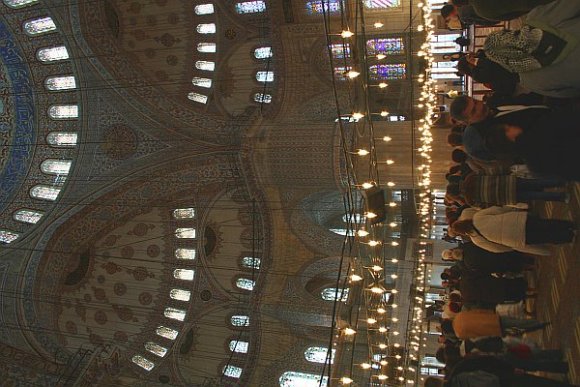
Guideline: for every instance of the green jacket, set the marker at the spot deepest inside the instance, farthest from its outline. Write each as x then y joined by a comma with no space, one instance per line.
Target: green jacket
505,9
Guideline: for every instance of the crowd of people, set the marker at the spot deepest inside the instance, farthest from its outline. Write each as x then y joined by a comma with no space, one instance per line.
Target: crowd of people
516,146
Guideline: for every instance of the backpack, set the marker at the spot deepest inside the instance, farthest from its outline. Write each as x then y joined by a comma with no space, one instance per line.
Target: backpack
475,379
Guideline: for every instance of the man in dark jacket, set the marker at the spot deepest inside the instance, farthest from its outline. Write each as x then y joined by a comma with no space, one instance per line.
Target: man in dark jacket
485,262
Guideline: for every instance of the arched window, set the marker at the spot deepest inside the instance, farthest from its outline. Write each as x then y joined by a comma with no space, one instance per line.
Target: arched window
180,294
388,71
251,7
39,26
201,82
318,355
331,294
27,216
301,379
196,97
63,112
265,76
205,65
184,213
7,236
146,364
388,46
240,320
175,314
354,218
206,28
262,98
340,51
60,83
44,192
168,333
377,4
185,253
204,9
62,139
19,3
185,233
183,274
232,371
206,47
155,349
251,263
263,52
245,284
239,346
55,167
52,54
316,6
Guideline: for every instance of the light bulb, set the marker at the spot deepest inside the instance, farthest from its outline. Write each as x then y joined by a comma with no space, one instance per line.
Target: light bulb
378,24
384,362
349,331
392,204
384,113
374,243
367,185
352,74
382,377
371,320
370,215
394,243
345,380
382,329
398,357
377,290
362,233
394,260
376,268
365,366
355,278
393,224
390,162
394,291
357,116
381,310
382,346
395,319
387,139
395,306
382,85
362,152
394,276
391,184
381,56
346,34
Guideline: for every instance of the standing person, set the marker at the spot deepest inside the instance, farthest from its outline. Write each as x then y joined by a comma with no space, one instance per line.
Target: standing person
501,9
474,258
470,324
502,229
488,72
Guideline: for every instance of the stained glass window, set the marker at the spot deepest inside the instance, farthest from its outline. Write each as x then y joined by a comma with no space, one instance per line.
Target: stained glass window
175,314
56,167
184,213
316,6
196,97
387,71
64,139
301,379
206,28
52,54
245,283
155,349
239,346
239,320
183,274
388,46
205,65
251,7
180,294
206,47
232,371
340,51
265,76
63,111
251,262
39,26
382,3
263,98
204,9
146,364
318,355
60,83
185,253
19,3
185,233
27,216
44,192
263,52
168,333
331,294
201,82
7,236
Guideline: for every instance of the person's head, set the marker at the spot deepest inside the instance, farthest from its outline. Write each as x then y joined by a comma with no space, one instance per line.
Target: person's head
459,156
446,57
455,298
453,189
464,67
462,227
452,254
469,110
432,381
454,307
499,139
448,11
445,276
455,139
